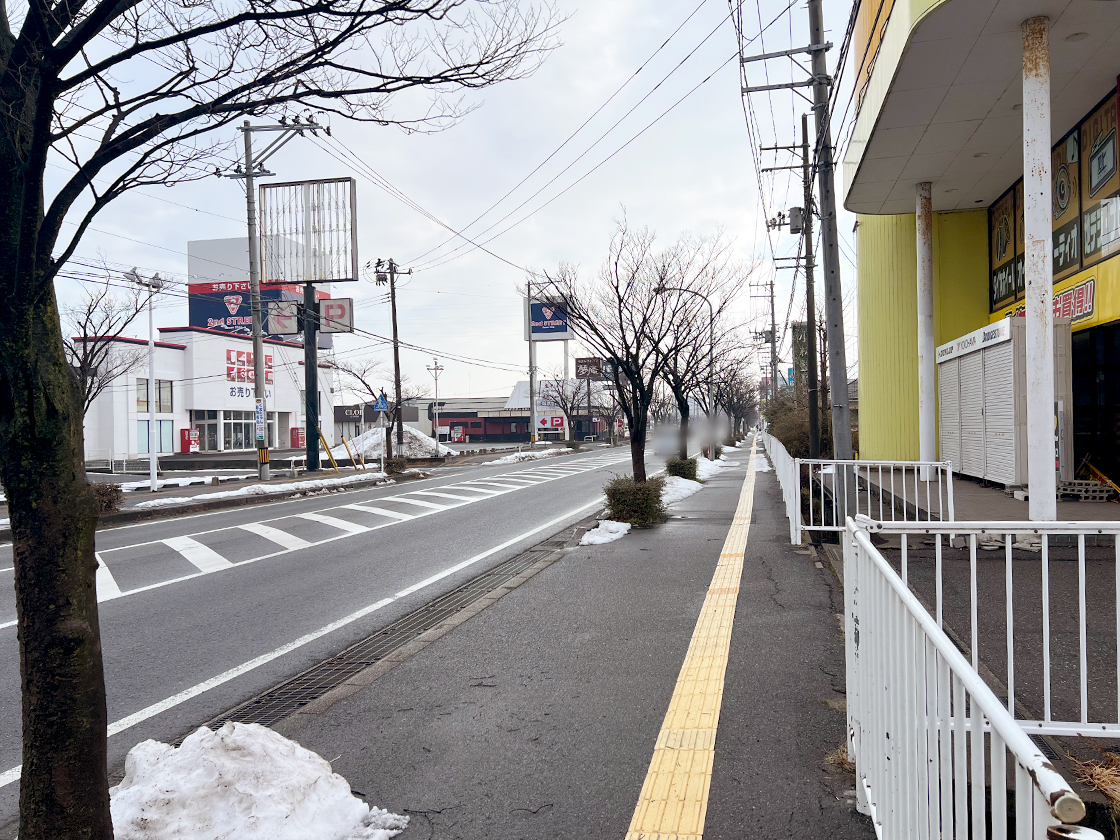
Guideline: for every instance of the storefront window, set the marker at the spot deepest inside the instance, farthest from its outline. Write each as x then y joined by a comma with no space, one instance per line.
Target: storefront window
239,430
165,436
163,395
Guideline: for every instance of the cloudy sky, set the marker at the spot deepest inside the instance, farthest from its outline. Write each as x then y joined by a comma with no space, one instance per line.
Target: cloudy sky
671,150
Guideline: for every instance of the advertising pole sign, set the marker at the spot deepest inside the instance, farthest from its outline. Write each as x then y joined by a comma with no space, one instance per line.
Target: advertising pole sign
546,320
260,420
589,368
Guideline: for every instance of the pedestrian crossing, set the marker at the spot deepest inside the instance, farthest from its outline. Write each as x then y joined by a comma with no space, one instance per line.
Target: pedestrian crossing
127,570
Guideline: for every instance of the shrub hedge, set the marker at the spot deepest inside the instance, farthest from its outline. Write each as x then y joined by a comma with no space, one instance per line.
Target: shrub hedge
638,503
682,467
396,466
109,497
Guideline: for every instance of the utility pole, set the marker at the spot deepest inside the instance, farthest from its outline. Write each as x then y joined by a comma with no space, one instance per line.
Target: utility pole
833,293
435,369
153,286
311,375
532,367
253,168
810,294
773,346
381,278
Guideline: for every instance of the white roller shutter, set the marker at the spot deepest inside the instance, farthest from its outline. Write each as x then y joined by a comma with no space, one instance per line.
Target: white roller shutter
999,412
949,421
972,414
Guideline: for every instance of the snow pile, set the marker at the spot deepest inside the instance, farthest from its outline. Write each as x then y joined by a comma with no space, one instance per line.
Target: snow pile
530,455
265,490
677,488
705,469
242,782
607,531
129,486
371,444
760,463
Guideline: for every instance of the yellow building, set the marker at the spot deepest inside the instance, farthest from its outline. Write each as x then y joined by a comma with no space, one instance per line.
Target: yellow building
940,91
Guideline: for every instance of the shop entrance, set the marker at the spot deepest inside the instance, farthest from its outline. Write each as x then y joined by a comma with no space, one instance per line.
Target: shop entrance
1096,398
207,424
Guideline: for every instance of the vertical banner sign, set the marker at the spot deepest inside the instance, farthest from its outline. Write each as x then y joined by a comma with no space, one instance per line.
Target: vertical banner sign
1065,193
1001,239
1099,179
260,420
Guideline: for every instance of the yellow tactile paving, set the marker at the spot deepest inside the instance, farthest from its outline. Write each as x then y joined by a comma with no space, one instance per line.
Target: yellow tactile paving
674,797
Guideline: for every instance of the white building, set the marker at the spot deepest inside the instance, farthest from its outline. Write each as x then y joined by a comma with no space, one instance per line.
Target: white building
204,382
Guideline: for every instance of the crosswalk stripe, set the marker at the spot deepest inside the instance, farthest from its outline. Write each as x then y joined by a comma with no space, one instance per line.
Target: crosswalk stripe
418,503
202,557
281,538
473,489
446,495
335,522
392,514
497,484
105,584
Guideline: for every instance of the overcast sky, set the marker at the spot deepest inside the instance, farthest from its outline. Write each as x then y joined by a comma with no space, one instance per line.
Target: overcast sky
690,171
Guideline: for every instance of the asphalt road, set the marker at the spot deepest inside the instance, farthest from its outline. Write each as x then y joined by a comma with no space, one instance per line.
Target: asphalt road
200,613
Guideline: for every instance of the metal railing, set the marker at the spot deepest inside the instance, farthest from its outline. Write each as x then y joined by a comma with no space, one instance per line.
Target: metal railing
785,468
1062,594
820,493
931,742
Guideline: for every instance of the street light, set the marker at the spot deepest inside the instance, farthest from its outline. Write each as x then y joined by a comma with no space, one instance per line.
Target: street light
660,290
153,286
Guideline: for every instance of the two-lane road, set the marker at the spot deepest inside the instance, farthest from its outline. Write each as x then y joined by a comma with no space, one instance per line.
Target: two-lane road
200,613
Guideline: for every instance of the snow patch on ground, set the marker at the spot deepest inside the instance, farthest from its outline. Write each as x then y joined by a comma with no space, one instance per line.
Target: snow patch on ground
607,531
242,782
372,443
705,469
528,455
761,464
264,490
130,486
677,488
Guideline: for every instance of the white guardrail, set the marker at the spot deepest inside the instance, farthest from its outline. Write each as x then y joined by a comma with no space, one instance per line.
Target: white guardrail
931,742
819,493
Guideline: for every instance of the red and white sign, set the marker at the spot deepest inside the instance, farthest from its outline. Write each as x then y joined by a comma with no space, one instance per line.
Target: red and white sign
239,367
336,315
554,421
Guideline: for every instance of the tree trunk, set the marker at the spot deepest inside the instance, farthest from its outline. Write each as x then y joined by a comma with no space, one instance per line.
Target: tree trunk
64,791
638,453
683,408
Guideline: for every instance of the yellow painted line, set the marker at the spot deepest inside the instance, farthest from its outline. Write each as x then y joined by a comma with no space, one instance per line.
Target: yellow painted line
674,799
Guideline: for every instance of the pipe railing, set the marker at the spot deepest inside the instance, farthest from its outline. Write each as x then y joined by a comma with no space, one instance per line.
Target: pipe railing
932,744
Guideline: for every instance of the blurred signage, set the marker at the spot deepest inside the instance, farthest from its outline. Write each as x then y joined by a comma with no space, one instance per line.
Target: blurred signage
589,368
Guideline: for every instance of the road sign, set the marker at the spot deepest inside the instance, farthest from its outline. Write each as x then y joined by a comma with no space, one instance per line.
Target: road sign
283,317
336,315
381,404
550,421
589,368
260,421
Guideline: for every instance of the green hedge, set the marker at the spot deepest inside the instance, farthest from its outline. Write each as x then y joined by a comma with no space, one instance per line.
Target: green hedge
638,503
682,467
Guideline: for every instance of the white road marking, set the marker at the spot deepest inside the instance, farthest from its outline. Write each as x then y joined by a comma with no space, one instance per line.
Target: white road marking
492,484
335,522
393,514
486,491
104,583
202,557
115,728
282,538
418,503
447,495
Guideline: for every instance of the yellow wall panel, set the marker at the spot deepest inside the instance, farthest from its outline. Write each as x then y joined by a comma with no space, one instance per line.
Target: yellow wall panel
960,273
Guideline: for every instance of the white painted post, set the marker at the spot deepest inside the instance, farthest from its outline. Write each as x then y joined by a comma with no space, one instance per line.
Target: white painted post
1037,219
927,393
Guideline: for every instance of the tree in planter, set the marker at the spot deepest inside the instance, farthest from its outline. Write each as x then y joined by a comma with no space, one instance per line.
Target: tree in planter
123,94
93,327
619,316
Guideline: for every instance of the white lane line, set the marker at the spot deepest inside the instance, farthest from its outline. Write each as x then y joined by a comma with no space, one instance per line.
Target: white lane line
418,503
9,569
448,496
115,728
281,538
392,514
335,522
202,557
104,583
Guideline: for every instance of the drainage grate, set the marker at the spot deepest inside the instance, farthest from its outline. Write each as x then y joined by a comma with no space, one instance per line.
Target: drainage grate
290,696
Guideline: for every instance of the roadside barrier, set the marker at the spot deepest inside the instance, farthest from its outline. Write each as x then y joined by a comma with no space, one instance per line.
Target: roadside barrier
931,742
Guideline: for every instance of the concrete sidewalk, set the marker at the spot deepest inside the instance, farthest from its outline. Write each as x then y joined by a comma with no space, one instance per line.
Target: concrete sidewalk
538,717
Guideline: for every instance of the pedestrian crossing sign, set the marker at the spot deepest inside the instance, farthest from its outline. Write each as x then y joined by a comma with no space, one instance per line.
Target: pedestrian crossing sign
381,404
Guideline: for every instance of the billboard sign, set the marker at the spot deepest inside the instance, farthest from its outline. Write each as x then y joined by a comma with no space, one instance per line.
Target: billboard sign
546,320
309,232
227,307
336,315
589,368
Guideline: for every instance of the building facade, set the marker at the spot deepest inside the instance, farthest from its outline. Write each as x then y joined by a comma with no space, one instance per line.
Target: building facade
204,382
983,167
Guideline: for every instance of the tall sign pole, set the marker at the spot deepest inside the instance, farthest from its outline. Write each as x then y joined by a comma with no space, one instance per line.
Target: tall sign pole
311,375
532,367
833,293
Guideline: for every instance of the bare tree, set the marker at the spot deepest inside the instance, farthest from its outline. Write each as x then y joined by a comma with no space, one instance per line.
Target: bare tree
563,394
736,393
367,377
94,328
123,94
620,316
662,407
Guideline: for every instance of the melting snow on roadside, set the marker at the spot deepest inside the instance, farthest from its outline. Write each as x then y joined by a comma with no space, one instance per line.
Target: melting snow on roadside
760,463
608,531
243,782
530,455
265,490
677,488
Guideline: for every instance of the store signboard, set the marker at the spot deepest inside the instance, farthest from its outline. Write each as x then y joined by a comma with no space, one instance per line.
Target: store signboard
546,320
259,417
553,421
1100,176
988,336
1001,226
589,368
336,315
1065,194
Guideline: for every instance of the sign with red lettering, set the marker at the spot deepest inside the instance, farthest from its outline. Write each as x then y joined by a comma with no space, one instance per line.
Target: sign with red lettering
336,315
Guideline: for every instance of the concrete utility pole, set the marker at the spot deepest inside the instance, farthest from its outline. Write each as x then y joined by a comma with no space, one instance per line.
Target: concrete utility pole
153,286
435,369
833,292
810,295
396,356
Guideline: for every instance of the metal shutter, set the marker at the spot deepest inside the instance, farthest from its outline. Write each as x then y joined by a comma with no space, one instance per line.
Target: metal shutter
972,414
949,419
999,412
